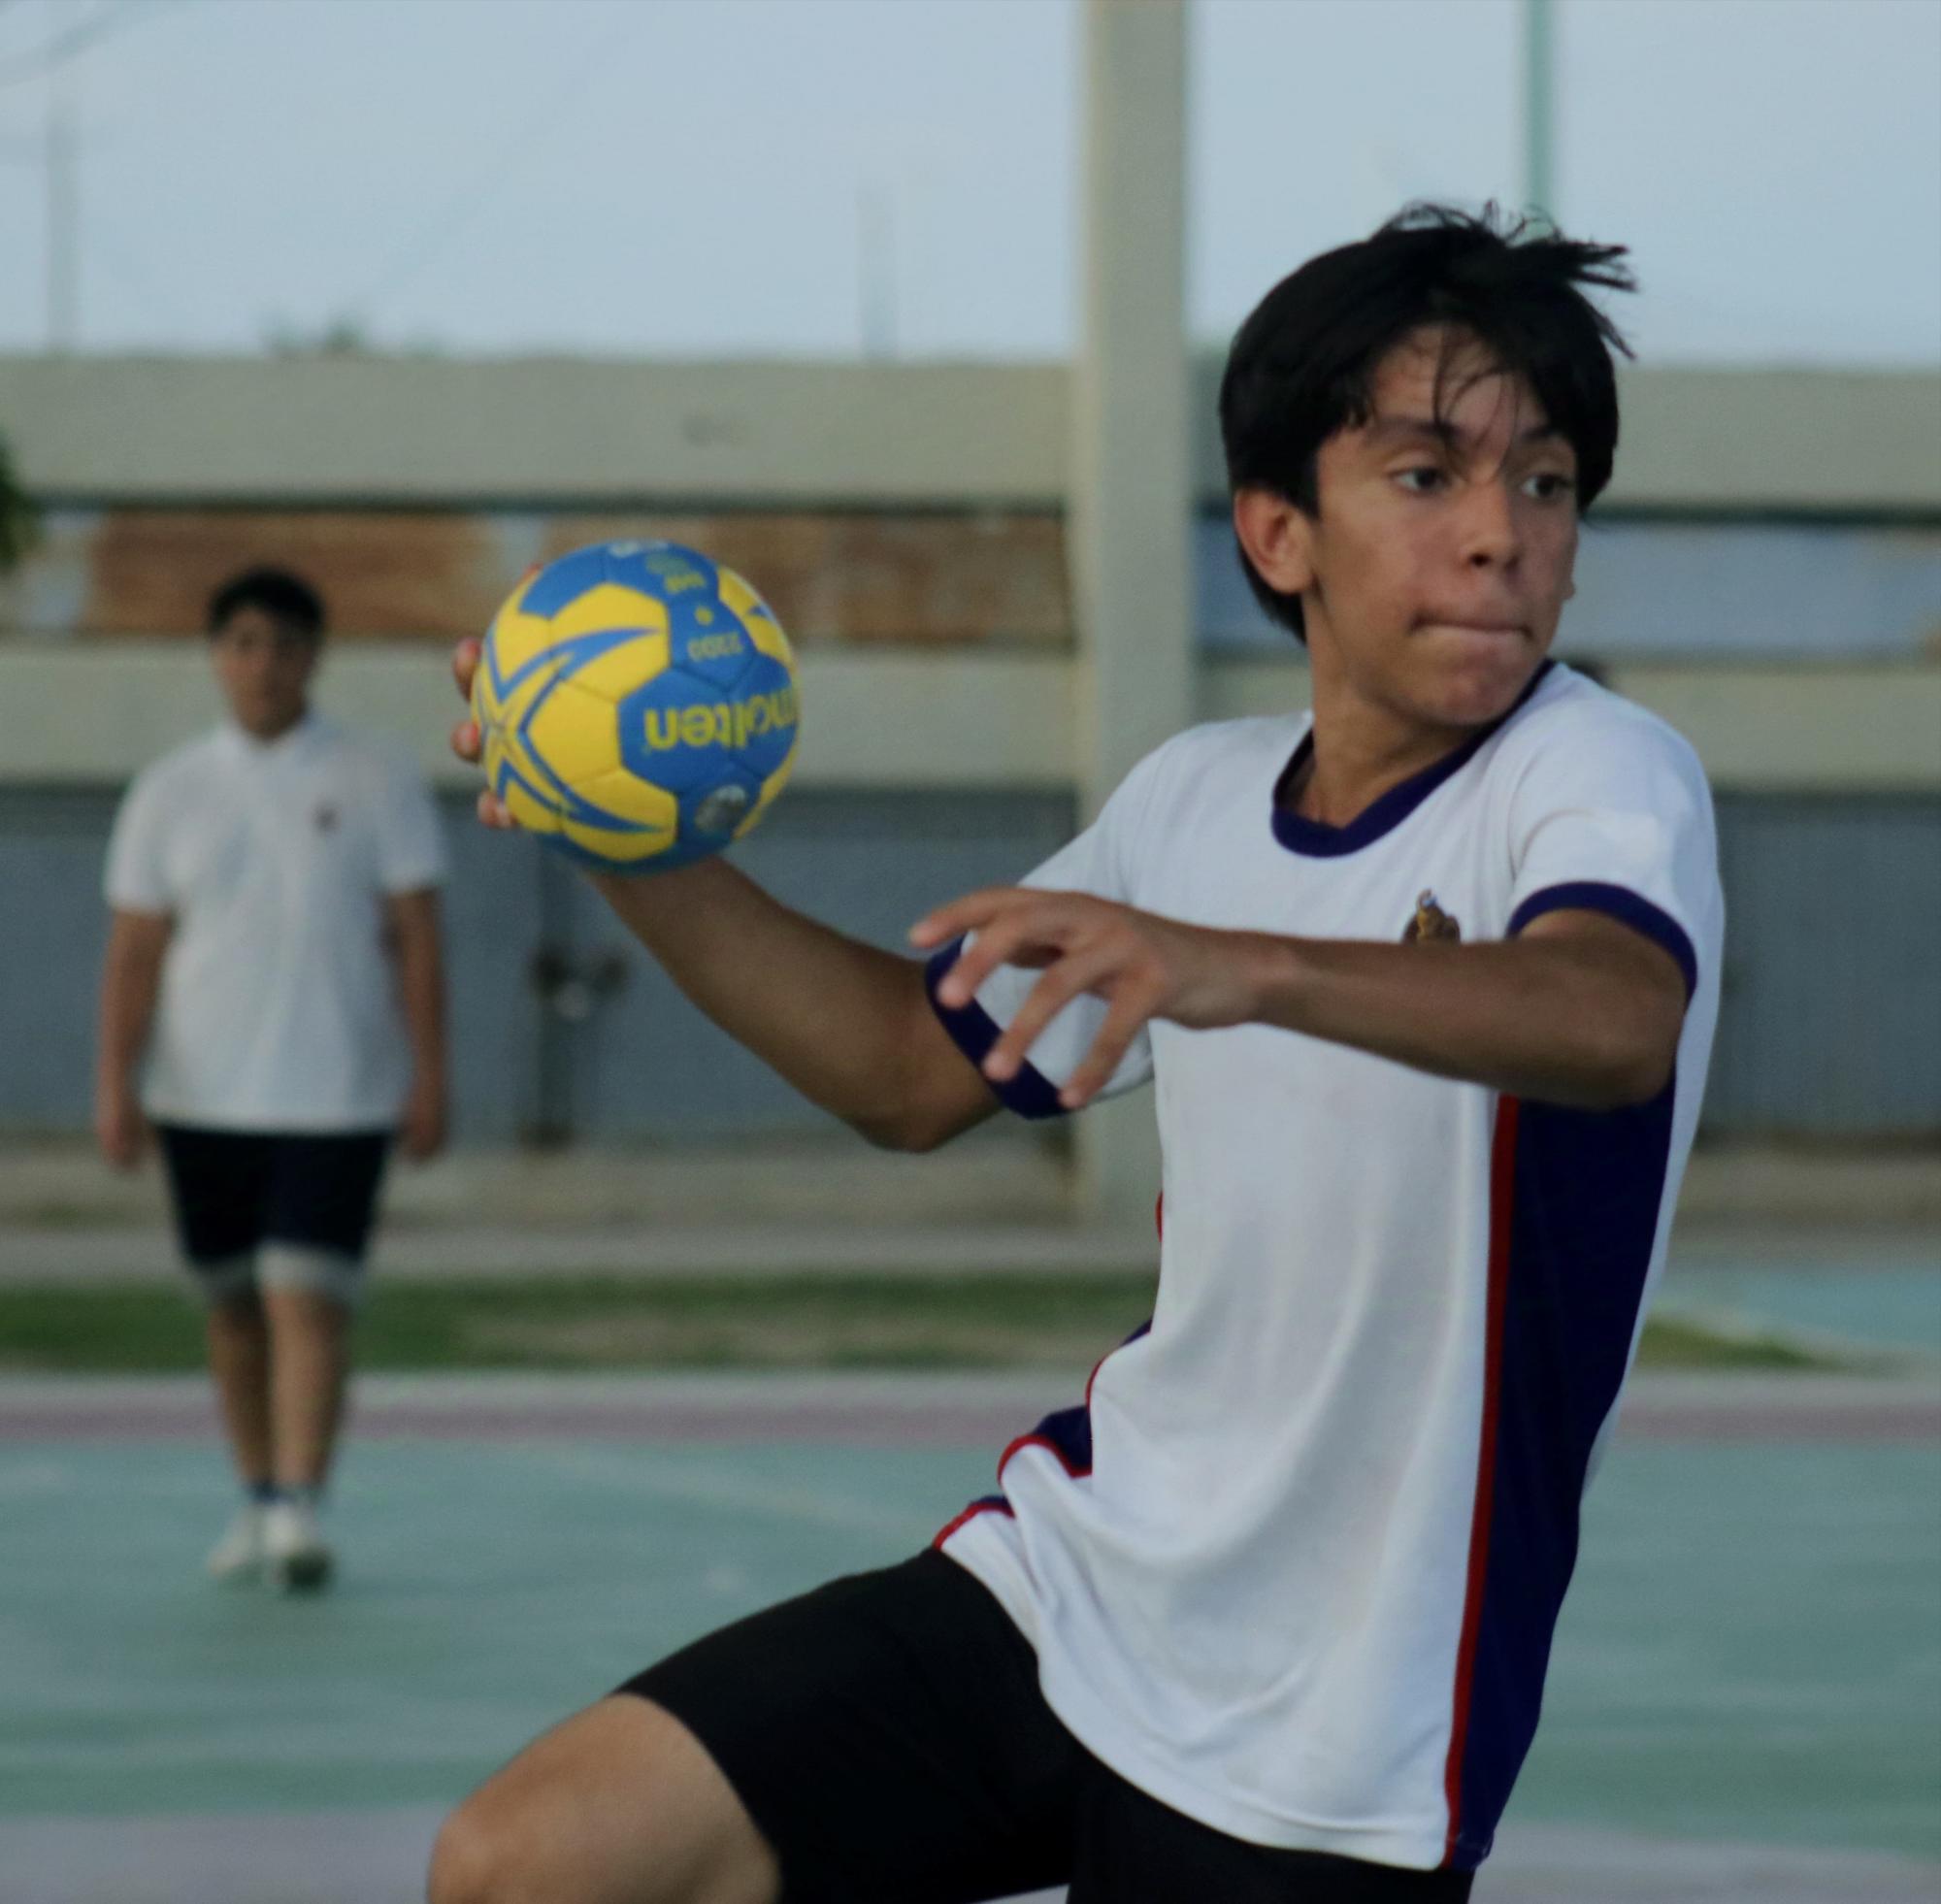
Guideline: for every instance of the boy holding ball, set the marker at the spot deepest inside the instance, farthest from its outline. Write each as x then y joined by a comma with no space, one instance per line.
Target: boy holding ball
1429,980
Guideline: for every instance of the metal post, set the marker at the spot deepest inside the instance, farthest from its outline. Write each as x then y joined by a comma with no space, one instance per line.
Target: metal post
1539,78
877,271
63,213
1128,523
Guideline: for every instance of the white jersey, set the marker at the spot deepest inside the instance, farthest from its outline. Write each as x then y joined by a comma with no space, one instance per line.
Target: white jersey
1293,1566
279,1008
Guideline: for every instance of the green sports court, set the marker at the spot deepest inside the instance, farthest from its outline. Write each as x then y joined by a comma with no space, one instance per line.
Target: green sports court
1741,1708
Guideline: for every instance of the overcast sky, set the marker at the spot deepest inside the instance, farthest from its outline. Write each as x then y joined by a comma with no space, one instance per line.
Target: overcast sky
707,177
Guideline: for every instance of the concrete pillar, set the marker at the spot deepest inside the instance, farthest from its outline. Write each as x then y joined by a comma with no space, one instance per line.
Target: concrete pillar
1128,521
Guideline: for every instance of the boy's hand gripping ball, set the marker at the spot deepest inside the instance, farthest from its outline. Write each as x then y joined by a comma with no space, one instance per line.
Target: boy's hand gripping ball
637,706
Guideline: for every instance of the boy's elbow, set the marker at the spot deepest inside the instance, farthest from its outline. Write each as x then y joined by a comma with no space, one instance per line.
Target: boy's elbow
1634,1072
1642,1084
882,1132
936,1107
910,1131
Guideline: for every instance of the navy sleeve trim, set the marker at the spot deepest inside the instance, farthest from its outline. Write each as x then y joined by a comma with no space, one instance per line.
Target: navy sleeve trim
973,1031
1621,904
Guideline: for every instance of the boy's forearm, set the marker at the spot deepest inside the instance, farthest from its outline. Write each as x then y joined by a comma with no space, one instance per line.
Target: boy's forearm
416,945
421,993
131,983
1586,1020
829,1014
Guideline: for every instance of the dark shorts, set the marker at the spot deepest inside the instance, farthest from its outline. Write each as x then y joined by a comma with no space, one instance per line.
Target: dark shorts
887,1735
300,1197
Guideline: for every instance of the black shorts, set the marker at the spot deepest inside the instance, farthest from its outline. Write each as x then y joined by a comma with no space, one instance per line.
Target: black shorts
240,1192
887,1735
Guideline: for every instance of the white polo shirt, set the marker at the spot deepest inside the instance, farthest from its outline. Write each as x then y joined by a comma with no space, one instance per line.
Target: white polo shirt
279,1007
1293,1564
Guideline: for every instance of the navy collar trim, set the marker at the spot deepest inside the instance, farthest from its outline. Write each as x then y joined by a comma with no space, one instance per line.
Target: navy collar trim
1320,839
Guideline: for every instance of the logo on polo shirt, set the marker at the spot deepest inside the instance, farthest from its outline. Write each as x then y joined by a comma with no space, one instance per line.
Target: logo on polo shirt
1429,922
324,817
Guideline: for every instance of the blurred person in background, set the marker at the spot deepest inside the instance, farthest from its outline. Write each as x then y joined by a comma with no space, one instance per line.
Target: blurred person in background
274,954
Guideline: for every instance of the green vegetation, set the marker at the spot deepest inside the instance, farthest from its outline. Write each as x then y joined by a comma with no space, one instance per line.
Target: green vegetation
1675,1342
700,1323
17,516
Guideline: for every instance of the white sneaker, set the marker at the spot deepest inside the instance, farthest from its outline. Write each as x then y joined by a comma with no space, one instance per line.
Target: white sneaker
297,1556
239,1554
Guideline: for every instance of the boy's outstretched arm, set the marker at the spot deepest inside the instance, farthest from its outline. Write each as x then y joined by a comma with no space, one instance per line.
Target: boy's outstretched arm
1579,1010
848,1025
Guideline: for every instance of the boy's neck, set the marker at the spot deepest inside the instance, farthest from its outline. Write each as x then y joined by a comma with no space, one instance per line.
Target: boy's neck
1360,751
266,733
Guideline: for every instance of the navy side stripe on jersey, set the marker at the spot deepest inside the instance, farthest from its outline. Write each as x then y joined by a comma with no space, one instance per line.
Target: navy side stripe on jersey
1581,1202
1621,904
973,1032
1066,1432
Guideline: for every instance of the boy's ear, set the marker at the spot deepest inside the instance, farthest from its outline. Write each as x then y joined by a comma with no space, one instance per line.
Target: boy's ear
1278,539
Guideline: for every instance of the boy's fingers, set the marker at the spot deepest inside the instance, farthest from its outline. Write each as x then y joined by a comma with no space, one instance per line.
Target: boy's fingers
995,944
1049,996
466,740
493,811
970,913
1108,1048
465,663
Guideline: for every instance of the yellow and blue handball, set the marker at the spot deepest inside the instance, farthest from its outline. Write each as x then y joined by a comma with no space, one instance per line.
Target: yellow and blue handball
638,706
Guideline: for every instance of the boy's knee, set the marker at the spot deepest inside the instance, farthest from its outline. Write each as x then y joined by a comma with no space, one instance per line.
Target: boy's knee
514,1847
474,1860
618,1801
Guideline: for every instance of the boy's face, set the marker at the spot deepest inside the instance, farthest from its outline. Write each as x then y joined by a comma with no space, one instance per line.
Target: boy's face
1432,579
264,668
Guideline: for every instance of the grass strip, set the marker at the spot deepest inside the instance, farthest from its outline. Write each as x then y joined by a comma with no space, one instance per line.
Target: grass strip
716,1322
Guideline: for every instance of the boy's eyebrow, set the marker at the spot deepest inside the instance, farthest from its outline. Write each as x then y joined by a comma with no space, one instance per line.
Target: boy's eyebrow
1388,429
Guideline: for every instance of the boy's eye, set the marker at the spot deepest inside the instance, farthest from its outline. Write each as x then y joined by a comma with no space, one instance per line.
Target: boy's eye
1421,479
1547,485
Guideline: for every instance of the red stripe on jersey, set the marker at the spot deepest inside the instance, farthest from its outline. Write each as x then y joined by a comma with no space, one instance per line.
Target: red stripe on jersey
1039,1441
1093,1376
970,1513
1502,1188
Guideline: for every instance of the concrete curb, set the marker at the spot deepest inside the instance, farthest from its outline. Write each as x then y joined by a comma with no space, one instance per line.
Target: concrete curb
61,1183
377,1856
646,1250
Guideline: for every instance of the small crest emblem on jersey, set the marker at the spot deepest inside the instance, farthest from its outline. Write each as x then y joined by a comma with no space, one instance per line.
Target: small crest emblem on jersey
324,816
1429,922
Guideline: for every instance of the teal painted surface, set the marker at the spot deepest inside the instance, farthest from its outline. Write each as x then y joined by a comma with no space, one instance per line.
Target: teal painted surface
1894,1307
1752,1651
485,1593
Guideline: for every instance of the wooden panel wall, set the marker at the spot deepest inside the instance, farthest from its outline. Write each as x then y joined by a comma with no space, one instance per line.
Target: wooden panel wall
833,578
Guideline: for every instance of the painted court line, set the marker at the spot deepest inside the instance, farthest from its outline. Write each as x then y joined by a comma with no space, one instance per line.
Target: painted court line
874,1410
379,1856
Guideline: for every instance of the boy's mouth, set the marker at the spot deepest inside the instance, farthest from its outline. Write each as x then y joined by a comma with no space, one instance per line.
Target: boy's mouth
1508,631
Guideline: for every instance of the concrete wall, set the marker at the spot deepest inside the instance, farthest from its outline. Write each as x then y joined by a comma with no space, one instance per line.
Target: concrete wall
386,430
925,769
86,714
637,1062
1830,1023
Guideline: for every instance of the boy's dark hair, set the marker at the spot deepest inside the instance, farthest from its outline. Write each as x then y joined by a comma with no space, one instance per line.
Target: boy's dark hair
1303,365
287,599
